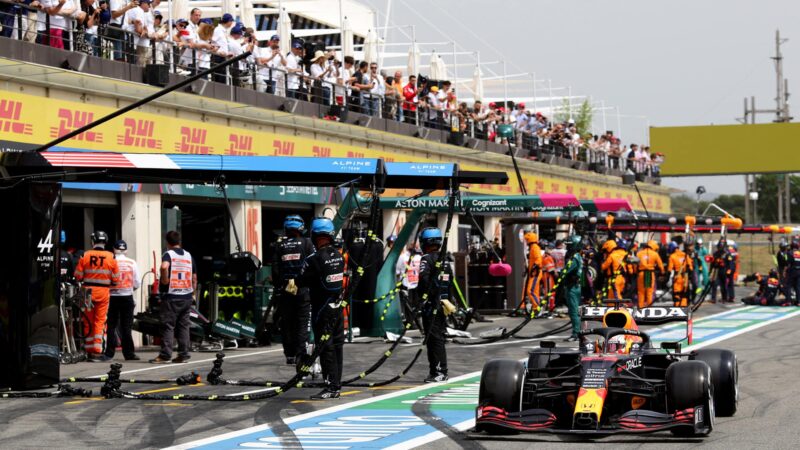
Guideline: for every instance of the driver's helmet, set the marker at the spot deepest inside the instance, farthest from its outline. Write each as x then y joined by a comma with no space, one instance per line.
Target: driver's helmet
619,344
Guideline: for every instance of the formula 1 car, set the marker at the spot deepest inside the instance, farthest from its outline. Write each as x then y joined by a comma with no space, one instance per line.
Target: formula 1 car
615,382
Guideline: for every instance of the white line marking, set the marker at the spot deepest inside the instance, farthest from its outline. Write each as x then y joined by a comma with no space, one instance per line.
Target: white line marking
428,438
316,413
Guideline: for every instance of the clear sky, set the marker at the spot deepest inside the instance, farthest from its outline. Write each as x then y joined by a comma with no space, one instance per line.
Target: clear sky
678,62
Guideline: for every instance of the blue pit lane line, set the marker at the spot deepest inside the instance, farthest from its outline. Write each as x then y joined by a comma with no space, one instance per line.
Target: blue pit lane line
387,421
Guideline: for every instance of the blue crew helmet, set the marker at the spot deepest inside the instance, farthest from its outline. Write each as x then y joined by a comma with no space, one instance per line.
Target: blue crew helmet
430,236
322,226
294,223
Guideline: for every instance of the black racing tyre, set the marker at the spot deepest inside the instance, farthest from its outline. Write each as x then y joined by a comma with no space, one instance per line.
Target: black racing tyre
689,385
501,385
724,376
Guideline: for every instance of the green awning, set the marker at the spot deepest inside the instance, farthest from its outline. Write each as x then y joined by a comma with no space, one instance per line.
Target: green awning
488,204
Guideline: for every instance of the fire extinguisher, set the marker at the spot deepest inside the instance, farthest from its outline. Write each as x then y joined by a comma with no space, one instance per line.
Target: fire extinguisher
154,297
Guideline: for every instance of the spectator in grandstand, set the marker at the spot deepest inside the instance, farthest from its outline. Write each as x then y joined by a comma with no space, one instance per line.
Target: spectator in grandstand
520,118
294,65
642,159
61,12
397,87
235,49
518,109
434,108
160,35
656,159
113,31
614,152
139,22
271,64
321,69
477,116
203,46
410,99
462,116
86,40
26,27
195,16
378,90
364,84
444,90
7,16
220,41
392,99
347,78
450,104
333,77
185,40
535,123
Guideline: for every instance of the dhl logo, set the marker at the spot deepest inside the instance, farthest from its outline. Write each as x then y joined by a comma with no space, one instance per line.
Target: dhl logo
282,148
70,119
240,145
139,134
10,112
324,152
193,140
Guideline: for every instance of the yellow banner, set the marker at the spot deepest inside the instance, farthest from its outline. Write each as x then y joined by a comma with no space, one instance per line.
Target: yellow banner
30,119
727,149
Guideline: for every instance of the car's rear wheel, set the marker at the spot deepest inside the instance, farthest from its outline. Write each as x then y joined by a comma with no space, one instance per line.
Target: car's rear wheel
724,376
501,386
688,386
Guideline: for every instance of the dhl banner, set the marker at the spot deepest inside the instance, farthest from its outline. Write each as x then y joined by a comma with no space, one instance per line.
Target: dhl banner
27,120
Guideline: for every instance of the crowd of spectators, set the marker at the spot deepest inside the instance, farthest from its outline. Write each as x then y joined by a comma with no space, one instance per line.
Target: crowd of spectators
137,32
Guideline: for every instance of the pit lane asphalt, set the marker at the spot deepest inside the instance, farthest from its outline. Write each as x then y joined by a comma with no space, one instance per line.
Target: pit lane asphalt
768,365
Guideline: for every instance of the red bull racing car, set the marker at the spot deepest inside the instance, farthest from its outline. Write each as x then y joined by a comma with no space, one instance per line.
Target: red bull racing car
615,382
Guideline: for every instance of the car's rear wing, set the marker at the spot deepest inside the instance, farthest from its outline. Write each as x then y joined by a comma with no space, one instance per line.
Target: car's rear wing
654,315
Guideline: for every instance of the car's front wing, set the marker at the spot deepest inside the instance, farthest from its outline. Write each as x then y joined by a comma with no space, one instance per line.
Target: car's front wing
635,421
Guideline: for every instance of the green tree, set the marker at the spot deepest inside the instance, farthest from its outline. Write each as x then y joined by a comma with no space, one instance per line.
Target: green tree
767,205
683,204
582,115
734,204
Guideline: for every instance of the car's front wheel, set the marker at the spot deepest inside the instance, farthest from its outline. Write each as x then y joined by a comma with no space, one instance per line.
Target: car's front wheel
501,386
724,376
689,386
